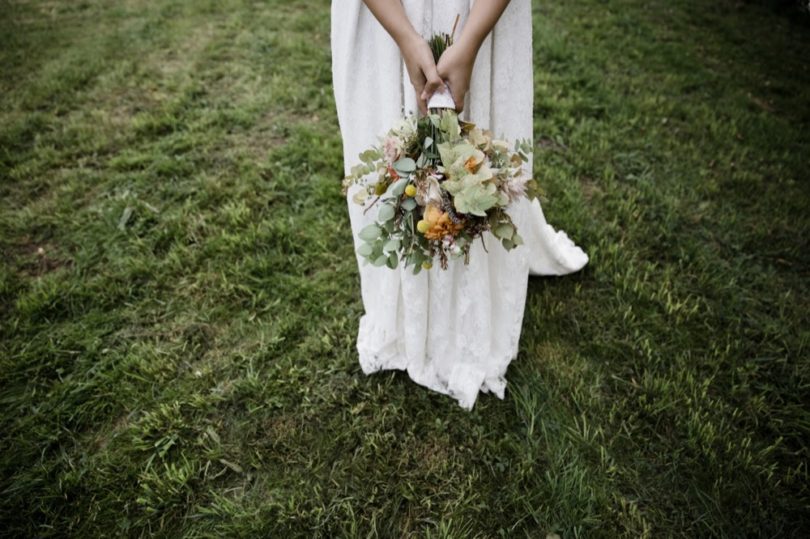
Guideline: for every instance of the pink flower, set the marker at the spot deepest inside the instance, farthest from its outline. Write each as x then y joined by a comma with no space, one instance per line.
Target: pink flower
392,147
515,188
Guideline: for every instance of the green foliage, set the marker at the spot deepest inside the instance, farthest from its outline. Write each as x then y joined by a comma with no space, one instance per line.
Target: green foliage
448,125
404,166
191,370
384,242
471,196
438,44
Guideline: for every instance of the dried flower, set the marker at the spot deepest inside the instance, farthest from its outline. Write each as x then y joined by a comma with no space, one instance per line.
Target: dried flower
515,187
440,225
428,190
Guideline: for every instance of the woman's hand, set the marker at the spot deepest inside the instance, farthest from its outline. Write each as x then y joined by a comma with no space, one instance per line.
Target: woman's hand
414,49
455,67
421,69
456,64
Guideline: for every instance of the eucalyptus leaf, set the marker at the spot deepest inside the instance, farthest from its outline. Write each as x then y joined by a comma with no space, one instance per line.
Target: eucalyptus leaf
398,187
408,204
386,212
380,261
504,231
365,249
517,239
369,156
370,232
392,260
405,166
508,244
391,245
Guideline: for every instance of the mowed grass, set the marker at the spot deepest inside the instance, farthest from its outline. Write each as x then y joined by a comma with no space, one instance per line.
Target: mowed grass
179,297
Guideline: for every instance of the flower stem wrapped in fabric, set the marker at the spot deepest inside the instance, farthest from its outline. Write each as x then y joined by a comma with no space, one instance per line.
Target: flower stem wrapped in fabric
441,183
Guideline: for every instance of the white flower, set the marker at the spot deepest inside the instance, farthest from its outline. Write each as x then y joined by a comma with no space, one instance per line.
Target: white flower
428,191
405,129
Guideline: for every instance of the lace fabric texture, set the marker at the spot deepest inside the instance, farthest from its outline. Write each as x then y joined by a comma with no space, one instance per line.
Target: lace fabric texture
454,331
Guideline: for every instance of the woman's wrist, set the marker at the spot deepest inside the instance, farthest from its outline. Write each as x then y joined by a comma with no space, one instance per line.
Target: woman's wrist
406,37
470,42
482,19
468,47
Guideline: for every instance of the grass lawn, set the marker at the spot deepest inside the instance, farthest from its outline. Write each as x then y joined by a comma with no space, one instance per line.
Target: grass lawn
179,297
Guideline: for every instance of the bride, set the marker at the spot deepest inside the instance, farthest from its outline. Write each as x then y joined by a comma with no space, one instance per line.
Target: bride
454,331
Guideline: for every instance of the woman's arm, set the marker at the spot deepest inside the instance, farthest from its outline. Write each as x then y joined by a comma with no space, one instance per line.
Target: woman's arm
414,49
456,64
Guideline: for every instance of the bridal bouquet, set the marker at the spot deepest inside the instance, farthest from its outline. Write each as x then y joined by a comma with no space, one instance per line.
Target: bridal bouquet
440,184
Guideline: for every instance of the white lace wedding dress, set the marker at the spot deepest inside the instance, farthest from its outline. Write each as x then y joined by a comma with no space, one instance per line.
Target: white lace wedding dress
454,331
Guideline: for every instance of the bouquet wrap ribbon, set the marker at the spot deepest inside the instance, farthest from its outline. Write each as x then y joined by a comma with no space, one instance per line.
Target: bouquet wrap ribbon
441,99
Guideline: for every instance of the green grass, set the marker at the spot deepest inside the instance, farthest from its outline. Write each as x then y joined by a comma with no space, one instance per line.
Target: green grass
179,298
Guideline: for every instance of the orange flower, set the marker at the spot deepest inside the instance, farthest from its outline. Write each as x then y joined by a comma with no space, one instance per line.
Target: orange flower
440,224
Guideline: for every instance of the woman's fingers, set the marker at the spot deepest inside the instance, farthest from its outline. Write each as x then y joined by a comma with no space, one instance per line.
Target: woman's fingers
458,93
419,88
433,82
455,66
418,81
422,105
458,99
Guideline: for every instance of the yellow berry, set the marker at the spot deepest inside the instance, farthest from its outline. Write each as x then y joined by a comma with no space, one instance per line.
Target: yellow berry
427,265
410,190
422,226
